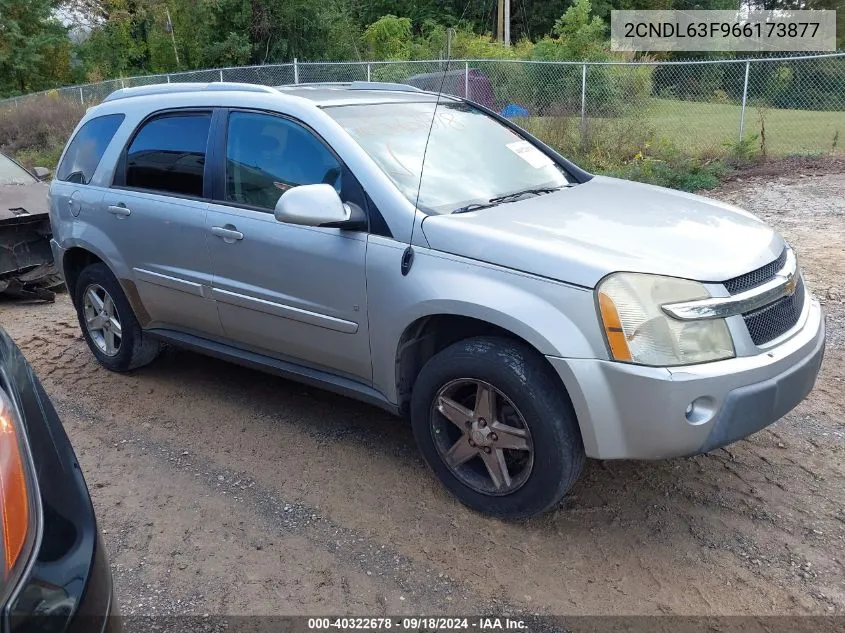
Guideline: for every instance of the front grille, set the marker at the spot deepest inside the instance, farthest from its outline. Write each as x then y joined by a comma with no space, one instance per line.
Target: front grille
777,318
755,277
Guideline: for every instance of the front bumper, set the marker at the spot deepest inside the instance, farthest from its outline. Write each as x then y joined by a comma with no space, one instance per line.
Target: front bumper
633,412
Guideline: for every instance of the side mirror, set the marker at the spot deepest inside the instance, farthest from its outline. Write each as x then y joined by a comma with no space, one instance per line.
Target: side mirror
42,173
318,205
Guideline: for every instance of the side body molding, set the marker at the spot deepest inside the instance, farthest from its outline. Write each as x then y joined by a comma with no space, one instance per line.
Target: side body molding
286,311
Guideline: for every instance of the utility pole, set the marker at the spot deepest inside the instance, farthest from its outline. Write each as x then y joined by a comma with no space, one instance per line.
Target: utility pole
172,36
503,32
500,26
507,22
450,33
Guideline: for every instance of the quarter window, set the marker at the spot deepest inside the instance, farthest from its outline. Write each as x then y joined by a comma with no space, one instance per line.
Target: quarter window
87,148
267,155
168,154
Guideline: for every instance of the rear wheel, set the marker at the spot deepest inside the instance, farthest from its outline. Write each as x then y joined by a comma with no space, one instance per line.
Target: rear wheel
497,427
108,323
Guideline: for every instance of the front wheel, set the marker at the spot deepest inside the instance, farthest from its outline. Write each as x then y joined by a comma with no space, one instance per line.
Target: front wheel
497,427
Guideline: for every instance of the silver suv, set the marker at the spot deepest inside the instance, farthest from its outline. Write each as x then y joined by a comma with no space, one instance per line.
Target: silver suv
522,313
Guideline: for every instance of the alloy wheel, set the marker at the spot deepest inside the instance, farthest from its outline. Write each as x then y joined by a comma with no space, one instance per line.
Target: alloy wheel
482,437
102,320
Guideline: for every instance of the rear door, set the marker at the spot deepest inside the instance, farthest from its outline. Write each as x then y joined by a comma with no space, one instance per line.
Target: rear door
294,292
155,214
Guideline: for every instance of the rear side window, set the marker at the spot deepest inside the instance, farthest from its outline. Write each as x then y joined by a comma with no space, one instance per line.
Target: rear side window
87,148
168,154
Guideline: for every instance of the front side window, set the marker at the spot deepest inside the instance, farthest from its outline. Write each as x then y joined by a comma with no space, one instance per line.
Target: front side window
267,155
471,157
87,148
168,154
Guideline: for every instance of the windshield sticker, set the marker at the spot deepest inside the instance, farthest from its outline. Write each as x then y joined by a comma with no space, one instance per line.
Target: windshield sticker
530,154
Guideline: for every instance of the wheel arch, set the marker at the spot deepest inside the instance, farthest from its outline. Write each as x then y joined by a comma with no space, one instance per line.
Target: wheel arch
74,261
78,255
431,333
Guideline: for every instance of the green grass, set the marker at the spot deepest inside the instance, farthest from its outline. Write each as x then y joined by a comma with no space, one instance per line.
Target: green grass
698,127
687,144
31,158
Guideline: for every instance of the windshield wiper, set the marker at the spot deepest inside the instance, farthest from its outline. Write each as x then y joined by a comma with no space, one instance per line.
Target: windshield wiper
475,206
511,197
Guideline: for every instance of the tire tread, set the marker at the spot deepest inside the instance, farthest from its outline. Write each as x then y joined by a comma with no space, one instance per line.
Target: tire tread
143,349
524,375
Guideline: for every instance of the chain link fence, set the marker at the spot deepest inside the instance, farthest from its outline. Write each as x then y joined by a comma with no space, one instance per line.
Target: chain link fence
778,105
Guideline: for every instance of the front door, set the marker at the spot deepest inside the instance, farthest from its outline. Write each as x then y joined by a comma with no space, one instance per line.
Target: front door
295,292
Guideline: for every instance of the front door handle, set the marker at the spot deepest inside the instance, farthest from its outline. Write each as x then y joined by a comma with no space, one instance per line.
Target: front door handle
119,211
229,233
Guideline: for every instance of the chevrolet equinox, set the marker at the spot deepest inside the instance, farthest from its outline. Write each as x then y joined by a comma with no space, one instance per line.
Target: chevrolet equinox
524,314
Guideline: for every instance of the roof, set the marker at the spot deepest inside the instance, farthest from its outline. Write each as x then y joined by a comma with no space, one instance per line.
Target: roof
322,94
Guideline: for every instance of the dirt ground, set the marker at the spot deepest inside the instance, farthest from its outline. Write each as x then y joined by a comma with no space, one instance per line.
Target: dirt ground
222,490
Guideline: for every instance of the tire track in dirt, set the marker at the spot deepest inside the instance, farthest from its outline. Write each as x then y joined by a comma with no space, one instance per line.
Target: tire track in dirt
658,506
432,591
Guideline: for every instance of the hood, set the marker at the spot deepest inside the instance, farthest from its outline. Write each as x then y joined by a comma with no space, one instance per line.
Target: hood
19,203
580,234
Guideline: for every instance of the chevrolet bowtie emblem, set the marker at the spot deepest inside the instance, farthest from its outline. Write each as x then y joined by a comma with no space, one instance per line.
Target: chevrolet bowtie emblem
790,285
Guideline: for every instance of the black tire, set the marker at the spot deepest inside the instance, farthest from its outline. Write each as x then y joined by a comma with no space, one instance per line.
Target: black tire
524,377
136,349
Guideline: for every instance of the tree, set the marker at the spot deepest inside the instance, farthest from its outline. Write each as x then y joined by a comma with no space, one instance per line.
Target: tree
577,34
33,46
116,46
389,37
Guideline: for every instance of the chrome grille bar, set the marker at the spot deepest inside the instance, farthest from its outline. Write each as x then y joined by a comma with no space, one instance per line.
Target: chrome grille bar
783,284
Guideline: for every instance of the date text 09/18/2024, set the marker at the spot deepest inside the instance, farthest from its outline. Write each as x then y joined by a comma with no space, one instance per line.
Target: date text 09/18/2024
418,623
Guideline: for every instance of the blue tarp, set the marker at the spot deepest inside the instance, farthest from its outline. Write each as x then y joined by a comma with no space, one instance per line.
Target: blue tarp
513,110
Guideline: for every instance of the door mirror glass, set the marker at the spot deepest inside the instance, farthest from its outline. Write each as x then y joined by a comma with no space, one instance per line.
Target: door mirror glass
313,205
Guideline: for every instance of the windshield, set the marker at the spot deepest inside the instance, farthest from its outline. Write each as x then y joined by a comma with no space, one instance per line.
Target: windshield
13,174
471,159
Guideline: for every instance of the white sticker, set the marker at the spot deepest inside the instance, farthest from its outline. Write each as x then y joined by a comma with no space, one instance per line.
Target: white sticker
530,154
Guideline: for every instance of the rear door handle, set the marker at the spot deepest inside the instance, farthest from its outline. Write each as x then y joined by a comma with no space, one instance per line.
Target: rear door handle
119,211
228,233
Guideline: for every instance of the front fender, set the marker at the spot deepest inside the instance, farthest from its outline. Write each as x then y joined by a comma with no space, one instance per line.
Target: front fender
556,319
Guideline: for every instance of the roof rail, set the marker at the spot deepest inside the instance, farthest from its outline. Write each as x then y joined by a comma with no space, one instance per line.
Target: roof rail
382,85
316,84
355,85
173,88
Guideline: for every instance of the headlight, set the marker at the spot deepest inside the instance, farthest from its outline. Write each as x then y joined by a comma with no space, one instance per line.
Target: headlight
16,531
639,331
